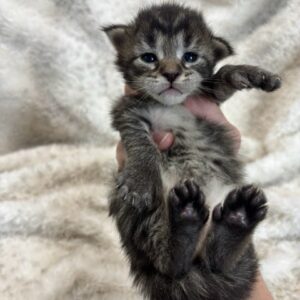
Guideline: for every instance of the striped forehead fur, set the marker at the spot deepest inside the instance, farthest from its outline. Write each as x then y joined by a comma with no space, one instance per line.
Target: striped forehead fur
170,20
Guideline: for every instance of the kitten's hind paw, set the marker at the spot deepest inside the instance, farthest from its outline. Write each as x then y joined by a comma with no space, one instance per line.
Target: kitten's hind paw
187,204
243,208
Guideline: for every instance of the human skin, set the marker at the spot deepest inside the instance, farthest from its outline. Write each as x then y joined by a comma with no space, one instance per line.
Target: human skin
204,108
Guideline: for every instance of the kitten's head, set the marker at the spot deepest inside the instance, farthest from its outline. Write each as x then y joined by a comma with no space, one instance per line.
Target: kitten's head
166,52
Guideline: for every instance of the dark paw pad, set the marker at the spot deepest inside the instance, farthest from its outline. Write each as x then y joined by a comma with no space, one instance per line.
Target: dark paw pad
264,80
187,203
243,208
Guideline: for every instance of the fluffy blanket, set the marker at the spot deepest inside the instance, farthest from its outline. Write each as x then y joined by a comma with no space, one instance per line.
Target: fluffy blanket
57,82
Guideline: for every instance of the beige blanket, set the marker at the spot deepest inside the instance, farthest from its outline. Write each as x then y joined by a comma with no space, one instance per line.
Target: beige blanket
56,83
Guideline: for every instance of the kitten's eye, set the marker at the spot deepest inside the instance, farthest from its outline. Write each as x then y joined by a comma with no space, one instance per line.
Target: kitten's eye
149,58
190,57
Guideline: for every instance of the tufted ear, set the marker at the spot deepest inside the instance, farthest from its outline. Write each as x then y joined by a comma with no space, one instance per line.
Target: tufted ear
222,48
117,35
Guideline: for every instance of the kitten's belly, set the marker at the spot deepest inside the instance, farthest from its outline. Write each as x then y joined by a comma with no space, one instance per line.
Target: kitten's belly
215,190
178,118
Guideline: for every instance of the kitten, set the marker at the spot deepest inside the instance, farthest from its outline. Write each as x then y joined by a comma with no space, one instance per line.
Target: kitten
177,249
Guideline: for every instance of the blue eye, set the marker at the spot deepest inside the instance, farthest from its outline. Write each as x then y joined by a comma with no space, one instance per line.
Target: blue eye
149,58
190,57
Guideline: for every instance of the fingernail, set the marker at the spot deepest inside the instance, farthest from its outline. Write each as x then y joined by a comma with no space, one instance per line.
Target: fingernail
166,141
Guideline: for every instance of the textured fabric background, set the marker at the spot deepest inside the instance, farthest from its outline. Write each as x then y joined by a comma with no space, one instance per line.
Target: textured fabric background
57,82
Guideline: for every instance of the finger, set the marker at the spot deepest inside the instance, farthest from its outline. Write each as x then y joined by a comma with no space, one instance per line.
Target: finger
120,155
236,136
205,108
164,140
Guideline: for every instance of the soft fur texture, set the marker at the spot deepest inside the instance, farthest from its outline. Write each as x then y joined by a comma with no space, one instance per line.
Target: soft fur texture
54,230
162,201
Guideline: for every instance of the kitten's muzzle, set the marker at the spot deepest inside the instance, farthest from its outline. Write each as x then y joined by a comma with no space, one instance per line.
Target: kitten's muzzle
170,69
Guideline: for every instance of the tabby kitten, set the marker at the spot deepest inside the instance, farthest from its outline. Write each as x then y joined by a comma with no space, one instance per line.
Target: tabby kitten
161,201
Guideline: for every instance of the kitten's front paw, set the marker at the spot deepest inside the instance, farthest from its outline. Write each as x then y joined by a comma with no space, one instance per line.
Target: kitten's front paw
187,204
245,76
243,208
138,194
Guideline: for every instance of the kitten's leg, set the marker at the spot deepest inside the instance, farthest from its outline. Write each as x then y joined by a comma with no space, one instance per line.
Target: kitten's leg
163,238
231,78
232,226
187,214
140,182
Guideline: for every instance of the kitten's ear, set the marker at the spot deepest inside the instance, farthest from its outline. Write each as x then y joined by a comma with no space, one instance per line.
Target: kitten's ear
117,35
222,48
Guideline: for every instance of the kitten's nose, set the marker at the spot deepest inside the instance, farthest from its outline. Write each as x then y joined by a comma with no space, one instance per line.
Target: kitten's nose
171,76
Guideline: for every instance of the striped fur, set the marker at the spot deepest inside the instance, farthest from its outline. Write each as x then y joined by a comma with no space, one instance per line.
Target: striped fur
182,244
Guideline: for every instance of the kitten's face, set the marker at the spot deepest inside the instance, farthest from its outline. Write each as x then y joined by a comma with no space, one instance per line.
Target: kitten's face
169,70
167,52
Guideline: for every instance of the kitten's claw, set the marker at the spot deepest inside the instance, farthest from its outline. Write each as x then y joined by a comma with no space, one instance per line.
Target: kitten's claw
243,208
137,195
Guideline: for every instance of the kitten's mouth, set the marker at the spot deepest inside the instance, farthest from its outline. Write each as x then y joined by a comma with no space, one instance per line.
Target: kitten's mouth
171,90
